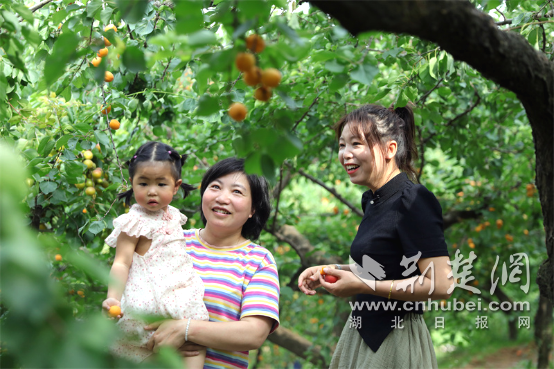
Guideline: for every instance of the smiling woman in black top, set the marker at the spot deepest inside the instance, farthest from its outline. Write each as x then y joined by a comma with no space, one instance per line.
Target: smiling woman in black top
402,221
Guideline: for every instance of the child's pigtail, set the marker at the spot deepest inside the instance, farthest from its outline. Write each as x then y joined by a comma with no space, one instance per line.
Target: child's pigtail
187,189
127,196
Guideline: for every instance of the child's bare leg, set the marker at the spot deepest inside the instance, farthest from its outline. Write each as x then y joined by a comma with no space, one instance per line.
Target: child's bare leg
195,362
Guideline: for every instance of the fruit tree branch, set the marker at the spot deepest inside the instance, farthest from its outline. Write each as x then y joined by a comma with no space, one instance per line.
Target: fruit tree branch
39,5
298,345
352,207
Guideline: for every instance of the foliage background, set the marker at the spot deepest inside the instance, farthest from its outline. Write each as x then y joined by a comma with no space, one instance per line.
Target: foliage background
174,80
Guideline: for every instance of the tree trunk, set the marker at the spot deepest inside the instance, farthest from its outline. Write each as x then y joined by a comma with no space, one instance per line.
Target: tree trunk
543,332
512,329
298,345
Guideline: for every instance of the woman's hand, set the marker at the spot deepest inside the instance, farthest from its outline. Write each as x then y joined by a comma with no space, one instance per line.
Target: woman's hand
309,280
347,284
168,333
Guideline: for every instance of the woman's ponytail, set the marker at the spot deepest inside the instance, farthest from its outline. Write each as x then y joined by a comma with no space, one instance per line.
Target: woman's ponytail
409,154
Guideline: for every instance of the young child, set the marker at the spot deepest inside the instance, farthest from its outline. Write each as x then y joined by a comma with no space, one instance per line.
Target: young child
155,274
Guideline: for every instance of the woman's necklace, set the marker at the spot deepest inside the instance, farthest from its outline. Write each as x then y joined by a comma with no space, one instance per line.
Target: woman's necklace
218,247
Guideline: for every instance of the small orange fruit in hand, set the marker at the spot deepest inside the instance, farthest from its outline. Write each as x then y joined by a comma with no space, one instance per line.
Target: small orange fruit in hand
58,257
107,42
245,61
271,77
263,94
238,112
253,76
102,52
96,61
255,43
115,311
108,76
107,110
109,27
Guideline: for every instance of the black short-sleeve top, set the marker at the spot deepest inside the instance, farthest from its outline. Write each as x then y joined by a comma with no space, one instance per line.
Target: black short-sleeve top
400,219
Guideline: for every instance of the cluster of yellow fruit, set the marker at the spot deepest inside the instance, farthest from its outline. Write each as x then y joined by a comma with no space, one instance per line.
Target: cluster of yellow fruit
108,76
94,175
254,76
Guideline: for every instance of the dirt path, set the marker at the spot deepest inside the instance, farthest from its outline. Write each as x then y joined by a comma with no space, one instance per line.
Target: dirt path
507,357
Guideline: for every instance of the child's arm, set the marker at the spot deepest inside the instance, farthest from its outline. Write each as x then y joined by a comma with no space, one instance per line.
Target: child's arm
120,269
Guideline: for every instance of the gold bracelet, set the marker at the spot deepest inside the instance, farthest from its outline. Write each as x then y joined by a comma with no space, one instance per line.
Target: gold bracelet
390,292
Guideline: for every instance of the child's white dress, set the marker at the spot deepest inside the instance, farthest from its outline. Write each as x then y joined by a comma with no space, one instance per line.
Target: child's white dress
162,282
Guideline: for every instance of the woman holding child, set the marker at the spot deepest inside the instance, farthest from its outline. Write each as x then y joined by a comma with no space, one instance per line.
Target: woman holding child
239,277
399,238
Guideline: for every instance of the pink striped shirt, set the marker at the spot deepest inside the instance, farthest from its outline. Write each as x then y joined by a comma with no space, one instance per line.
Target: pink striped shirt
239,282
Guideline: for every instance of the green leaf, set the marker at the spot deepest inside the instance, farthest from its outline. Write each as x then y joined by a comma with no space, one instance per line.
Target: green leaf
74,168
432,67
102,138
24,12
133,59
401,101
392,52
533,38
189,16
48,187
322,55
63,141
42,145
202,37
58,197
31,36
11,21
334,66
59,16
268,167
83,127
93,7
252,164
207,105
384,92
62,53
241,30
96,227
106,14
364,73
338,82
132,11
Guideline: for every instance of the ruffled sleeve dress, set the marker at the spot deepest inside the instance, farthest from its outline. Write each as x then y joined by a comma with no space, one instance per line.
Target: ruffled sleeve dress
161,283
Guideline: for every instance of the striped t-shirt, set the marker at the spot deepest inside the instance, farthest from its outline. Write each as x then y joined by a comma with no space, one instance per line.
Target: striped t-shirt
240,281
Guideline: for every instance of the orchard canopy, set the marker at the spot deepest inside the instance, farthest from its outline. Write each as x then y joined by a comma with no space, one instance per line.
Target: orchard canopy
84,83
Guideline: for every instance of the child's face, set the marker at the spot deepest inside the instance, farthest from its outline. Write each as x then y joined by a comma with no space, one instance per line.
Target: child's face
154,186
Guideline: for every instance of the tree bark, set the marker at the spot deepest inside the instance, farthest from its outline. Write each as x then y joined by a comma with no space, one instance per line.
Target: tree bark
543,332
